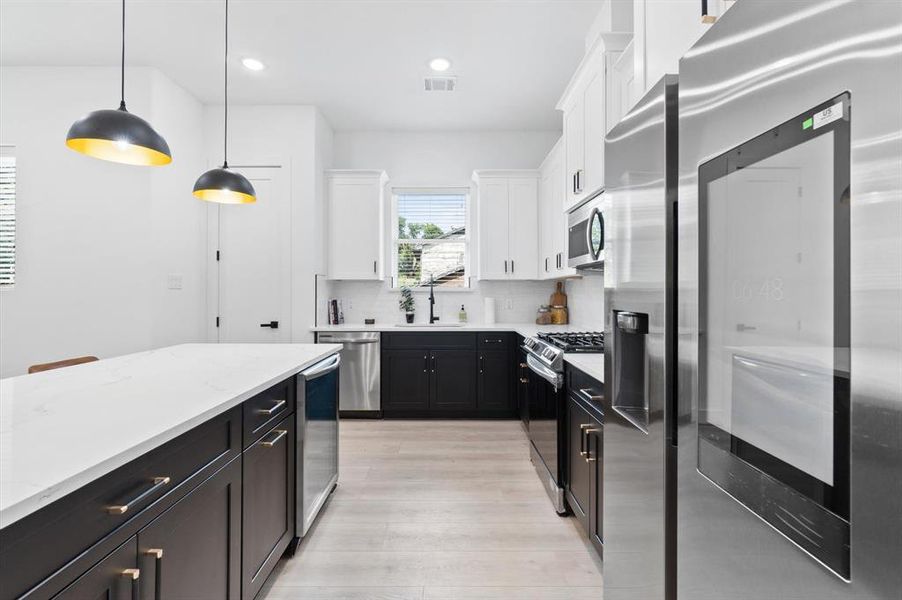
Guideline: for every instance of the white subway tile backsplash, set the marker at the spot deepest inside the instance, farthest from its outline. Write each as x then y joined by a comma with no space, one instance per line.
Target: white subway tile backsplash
515,301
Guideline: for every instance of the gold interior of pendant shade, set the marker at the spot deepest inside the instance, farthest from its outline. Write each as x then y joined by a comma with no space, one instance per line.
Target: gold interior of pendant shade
225,196
129,154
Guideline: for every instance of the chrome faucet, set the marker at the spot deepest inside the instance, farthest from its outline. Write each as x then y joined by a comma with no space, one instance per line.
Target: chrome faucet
432,317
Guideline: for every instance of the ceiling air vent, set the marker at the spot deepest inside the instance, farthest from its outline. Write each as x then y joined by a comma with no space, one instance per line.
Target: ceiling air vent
440,84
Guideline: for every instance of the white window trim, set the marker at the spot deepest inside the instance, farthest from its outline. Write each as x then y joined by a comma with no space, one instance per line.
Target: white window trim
10,151
467,239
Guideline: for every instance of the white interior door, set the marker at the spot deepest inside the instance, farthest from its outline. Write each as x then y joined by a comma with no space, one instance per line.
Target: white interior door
254,266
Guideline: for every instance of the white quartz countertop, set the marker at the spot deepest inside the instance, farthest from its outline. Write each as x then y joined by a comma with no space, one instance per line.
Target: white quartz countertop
62,429
590,364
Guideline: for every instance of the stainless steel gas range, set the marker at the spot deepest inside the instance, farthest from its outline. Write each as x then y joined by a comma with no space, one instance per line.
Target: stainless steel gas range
544,379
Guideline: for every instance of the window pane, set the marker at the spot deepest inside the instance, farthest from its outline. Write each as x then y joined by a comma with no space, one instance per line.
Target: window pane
431,216
7,220
419,262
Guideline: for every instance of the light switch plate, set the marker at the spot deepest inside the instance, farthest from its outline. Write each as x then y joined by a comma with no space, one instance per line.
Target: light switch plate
174,281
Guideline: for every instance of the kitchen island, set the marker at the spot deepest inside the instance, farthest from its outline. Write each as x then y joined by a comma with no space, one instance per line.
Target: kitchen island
91,456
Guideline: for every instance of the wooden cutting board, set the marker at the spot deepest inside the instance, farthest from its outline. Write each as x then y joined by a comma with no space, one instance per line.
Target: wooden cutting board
559,298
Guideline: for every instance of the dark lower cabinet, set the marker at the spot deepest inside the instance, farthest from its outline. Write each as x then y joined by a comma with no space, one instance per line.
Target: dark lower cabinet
453,380
116,577
496,381
193,550
405,380
268,505
594,440
448,375
585,462
579,473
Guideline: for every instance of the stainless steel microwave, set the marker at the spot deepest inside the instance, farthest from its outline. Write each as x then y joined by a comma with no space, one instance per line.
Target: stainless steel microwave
585,226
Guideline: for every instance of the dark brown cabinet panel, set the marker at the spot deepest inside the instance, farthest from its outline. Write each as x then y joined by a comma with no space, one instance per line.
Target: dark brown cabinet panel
405,380
268,504
594,439
496,380
579,483
113,578
585,461
193,550
448,375
453,378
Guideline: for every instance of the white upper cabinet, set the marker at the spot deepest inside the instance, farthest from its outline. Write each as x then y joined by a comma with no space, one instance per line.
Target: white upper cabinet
585,120
552,218
507,224
665,30
355,224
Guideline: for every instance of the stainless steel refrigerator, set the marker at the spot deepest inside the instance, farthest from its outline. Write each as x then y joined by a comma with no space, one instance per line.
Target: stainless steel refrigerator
789,407
638,207
753,298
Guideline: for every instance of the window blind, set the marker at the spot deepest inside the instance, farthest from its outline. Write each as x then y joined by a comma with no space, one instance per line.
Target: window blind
7,220
431,239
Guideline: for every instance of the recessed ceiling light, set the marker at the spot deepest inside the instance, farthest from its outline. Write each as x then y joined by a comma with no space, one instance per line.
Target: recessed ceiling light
440,64
253,64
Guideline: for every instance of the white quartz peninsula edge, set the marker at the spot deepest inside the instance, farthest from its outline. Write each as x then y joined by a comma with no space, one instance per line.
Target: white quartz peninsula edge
590,364
62,429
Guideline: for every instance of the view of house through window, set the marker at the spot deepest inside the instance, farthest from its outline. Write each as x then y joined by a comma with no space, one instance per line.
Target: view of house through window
431,239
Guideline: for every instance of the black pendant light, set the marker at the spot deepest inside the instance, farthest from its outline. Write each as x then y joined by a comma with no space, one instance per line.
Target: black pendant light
118,135
222,185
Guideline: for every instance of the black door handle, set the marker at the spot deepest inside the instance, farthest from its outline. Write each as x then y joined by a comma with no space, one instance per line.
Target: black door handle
272,324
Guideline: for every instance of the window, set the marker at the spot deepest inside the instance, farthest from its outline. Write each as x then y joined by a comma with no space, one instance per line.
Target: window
7,219
430,238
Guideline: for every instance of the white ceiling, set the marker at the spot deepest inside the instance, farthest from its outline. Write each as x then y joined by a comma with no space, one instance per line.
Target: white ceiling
362,62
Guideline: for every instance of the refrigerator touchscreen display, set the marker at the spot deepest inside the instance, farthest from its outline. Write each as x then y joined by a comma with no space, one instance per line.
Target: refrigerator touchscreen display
774,343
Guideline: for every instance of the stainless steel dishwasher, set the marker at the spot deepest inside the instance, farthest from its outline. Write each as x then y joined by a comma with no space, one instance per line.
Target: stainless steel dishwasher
318,389
360,372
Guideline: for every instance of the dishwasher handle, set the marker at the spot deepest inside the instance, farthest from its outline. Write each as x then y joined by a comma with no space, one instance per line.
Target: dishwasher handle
322,368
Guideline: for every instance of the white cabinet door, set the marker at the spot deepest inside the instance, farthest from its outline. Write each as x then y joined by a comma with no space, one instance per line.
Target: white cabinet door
559,229
493,228
574,141
355,227
524,227
551,177
594,101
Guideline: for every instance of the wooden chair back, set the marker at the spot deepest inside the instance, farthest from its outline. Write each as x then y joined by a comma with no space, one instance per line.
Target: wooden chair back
61,363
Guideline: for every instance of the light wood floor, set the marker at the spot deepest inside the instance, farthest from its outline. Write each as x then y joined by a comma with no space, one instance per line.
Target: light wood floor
438,510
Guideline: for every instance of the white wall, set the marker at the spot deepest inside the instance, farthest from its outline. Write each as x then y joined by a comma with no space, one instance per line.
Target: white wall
299,139
95,239
443,159
446,158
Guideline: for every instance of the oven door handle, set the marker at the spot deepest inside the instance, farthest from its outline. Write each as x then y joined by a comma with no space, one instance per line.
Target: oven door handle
544,372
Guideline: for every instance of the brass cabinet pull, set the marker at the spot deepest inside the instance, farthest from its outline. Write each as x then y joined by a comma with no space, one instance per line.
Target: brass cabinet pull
157,553
280,433
134,575
589,458
582,439
121,509
274,409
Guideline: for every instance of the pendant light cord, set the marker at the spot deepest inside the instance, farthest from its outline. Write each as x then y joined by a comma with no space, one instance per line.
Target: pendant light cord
122,64
225,141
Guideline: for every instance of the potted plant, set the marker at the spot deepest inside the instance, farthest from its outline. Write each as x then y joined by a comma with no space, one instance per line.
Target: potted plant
406,303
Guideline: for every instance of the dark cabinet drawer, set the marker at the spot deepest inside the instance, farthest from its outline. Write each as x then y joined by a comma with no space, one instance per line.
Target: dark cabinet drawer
429,340
495,340
113,578
268,504
266,409
193,549
97,511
